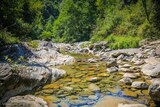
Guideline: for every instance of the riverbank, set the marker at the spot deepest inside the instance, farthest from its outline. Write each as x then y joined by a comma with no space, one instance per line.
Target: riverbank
130,74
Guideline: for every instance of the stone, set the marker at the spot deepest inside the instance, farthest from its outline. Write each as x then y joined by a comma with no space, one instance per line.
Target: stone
93,87
27,78
68,89
139,85
5,71
141,62
155,80
131,75
93,97
124,69
112,69
77,102
50,57
26,101
126,66
151,70
158,50
92,60
103,75
111,101
111,63
93,79
49,91
126,80
51,86
130,93
131,105
50,99
154,92
120,57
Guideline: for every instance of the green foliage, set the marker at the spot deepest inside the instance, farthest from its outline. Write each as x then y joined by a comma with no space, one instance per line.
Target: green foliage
46,35
79,20
119,42
7,38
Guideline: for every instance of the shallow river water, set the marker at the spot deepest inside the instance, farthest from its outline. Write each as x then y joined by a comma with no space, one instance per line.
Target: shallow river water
89,84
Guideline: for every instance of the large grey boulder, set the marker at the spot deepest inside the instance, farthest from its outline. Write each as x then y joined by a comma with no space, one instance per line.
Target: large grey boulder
50,57
26,79
151,70
154,91
26,101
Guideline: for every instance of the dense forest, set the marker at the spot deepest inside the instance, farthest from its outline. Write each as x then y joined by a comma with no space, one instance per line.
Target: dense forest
79,20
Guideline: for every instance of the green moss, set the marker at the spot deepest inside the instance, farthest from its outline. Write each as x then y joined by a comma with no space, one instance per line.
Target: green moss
33,44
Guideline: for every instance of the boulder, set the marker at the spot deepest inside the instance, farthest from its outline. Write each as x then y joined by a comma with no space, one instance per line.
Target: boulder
27,78
50,57
154,91
126,80
26,101
139,85
151,70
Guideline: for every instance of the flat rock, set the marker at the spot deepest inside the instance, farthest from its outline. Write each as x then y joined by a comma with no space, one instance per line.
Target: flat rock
26,101
139,85
93,87
112,69
111,101
131,75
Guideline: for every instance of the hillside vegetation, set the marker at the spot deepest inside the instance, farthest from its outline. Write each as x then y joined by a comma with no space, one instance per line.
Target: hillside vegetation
121,22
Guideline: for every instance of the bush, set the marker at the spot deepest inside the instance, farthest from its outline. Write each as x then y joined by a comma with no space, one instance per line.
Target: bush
119,42
46,35
7,38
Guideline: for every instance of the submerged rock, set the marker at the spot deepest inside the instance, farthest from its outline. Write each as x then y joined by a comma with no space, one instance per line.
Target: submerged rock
93,87
131,105
26,101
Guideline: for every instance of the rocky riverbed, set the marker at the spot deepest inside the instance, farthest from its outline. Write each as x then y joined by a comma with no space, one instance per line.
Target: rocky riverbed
80,75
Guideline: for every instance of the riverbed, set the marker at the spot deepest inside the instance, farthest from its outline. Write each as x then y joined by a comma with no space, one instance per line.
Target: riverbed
89,84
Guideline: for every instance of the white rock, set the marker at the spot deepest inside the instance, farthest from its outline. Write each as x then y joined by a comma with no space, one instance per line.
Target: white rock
139,85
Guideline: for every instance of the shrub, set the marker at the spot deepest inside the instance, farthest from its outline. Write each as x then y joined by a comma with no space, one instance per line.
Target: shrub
119,42
7,38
